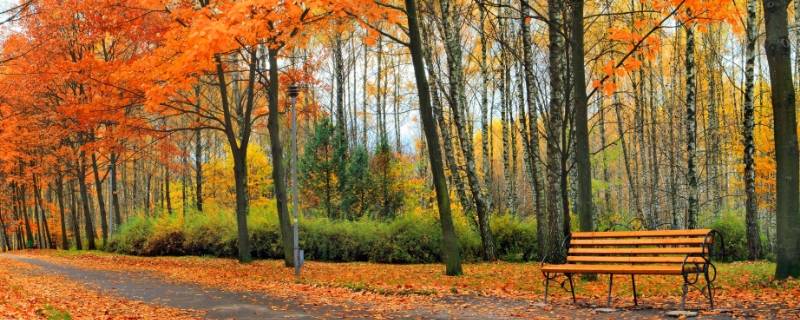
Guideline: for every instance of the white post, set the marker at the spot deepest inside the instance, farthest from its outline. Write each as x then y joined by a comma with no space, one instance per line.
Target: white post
293,92
110,205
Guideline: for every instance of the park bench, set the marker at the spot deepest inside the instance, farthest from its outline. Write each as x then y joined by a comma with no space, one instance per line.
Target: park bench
685,253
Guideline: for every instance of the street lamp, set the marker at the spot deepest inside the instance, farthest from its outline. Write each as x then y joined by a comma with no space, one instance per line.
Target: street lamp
294,91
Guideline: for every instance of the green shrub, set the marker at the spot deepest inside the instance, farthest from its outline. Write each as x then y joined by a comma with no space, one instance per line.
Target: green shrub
409,239
167,237
265,236
732,228
514,238
327,240
132,236
210,233
414,237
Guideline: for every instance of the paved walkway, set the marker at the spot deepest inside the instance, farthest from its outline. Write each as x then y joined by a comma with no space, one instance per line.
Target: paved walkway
217,303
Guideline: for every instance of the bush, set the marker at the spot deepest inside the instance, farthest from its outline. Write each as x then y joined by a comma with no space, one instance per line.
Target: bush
212,233
326,240
167,238
132,236
409,239
732,228
414,237
265,236
514,238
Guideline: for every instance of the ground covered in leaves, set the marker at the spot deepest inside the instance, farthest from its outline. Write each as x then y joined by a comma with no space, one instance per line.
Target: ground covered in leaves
25,294
497,290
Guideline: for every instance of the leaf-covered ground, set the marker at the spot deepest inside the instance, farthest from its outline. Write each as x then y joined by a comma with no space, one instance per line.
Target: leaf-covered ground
25,295
492,289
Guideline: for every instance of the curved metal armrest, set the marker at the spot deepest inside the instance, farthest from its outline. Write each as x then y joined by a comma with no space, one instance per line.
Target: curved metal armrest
715,237
564,246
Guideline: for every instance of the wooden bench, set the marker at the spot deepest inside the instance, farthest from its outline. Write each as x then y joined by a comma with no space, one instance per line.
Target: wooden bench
685,253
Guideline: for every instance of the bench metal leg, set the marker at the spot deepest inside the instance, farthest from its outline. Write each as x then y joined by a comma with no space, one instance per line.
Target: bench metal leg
546,286
710,290
683,297
633,282
610,284
572,288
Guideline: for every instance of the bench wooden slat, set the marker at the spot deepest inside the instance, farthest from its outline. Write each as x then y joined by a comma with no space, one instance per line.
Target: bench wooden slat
638,259
614,269
636,234
636,242
628,251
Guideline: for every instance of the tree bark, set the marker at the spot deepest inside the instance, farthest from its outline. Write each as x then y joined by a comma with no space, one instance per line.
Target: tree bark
112,171
458,101
751,204
98,187
582,152
60,198
531,135
451,255
76,232
555,219
87,214
691,130
198,160
278,173
778,52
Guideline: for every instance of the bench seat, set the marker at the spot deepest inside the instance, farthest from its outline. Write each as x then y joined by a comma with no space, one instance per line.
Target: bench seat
674,269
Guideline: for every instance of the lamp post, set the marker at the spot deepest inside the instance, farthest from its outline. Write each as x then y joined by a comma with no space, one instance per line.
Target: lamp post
294,91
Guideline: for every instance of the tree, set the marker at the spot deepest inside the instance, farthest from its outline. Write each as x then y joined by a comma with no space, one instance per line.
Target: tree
778,52
555,216
751,204
582,152
452,256
691,128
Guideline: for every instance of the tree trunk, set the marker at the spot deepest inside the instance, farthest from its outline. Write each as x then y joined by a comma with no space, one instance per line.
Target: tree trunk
167,195
555,219
115,191
531,136
691,129
451,255
458,101
87,214
751,204
198,160
76,232
98,186
785,126
485,116
47,240
60,198
278,173
447,141
582,152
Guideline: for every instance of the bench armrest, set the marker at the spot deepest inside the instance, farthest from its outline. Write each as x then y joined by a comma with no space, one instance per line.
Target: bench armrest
564,246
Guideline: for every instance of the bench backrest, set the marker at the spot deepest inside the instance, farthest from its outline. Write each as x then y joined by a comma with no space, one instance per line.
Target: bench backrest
641,247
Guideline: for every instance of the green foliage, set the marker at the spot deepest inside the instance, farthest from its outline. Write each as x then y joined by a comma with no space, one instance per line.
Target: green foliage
412,237
328,240
132,236
515,238
212,233
732,228
53,313
359,189
349,184
318,169
167,238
